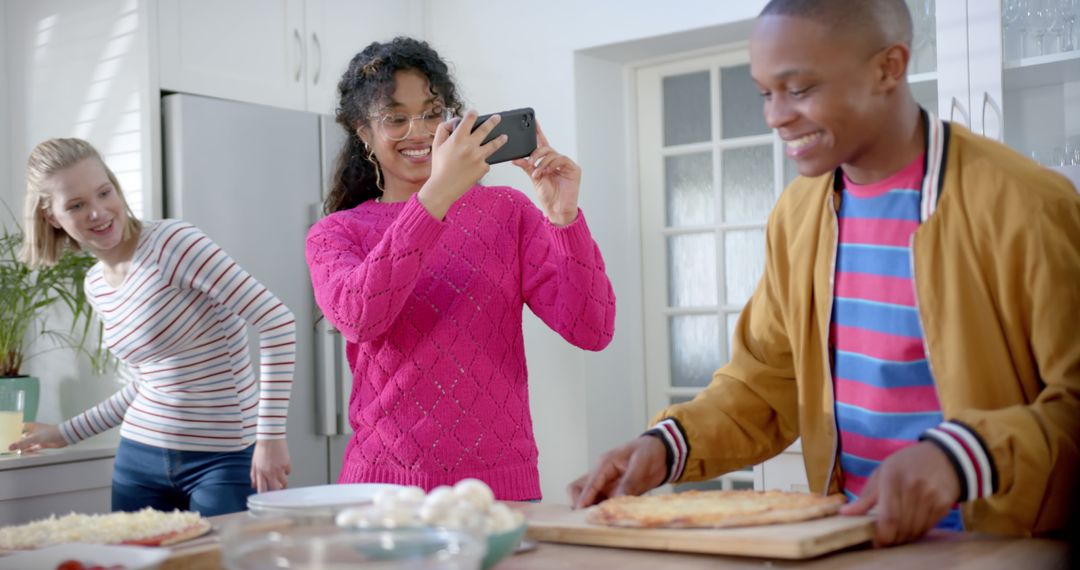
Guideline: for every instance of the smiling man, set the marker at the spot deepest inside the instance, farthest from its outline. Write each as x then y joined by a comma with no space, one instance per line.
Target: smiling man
916,321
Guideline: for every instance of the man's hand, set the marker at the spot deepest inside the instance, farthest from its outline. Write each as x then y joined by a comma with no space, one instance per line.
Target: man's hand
631,469
913,489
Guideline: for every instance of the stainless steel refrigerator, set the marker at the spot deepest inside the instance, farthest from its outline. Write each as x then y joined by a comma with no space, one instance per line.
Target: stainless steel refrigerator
252,177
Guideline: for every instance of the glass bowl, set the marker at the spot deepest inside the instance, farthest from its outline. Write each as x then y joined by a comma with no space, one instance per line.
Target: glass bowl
498,546
331,548
502,545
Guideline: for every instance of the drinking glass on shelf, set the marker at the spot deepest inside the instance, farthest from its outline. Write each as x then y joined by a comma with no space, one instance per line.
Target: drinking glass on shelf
1041,156
923,44
1058,32
1041,18
1015,17
1069,154
1068,13
1057,157
11,418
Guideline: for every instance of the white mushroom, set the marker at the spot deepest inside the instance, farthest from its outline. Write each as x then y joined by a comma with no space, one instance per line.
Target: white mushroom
440,497
356,517
501,518
476,493
410,496
398,518
470,504
385,498
433,514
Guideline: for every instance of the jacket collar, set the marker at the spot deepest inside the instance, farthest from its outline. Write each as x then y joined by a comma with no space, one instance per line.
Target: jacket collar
937,146
936,137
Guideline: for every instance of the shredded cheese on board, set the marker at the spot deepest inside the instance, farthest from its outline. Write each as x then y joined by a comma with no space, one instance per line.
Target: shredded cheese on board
111,528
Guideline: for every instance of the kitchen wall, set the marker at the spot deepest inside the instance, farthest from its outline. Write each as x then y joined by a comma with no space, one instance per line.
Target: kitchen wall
80,69
7,184
570,61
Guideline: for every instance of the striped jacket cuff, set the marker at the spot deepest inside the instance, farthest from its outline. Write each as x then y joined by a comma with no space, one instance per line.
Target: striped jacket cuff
671,433
967,453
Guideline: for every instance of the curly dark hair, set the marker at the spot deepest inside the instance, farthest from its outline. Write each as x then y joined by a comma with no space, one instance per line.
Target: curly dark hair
367,83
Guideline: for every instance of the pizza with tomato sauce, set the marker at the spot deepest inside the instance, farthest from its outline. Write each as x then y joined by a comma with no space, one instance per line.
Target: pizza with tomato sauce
713,509
147,527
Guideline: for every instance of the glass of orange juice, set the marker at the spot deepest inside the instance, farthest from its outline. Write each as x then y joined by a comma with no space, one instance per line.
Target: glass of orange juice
11,418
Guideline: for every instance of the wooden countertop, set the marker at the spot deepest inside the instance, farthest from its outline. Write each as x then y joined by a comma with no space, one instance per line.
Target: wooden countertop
938,550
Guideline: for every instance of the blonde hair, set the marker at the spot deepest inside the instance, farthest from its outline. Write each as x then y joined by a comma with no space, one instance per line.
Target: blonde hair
43,245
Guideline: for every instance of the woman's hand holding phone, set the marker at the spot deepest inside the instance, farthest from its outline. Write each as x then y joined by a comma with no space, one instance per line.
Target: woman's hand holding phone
457,161
556,178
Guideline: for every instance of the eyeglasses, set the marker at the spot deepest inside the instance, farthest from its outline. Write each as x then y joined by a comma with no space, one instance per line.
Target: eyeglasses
398,126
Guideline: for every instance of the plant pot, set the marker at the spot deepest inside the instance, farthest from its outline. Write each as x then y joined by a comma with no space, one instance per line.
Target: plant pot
32,389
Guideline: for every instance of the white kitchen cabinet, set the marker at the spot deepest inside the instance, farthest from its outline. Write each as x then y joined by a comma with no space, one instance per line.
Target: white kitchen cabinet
249,50
56,482
339,29
284,53
1007,69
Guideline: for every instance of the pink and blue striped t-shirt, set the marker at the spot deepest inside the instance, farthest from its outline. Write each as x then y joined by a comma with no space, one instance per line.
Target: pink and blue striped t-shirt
885,395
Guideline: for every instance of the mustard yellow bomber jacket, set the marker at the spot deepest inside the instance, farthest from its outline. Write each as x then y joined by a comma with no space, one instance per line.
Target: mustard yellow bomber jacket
996,264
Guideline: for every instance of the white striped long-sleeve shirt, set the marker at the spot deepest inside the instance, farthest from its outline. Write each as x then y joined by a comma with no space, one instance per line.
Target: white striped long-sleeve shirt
178,322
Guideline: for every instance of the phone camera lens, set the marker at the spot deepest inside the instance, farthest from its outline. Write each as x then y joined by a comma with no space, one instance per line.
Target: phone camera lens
526,121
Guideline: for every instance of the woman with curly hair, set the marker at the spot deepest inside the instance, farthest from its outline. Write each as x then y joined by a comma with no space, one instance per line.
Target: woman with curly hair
425,272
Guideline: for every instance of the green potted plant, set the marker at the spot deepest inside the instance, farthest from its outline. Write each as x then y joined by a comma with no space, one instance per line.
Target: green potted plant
28,297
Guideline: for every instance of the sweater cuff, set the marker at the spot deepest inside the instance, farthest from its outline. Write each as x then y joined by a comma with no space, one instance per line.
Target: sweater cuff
967,453
418,223
573,238
672,435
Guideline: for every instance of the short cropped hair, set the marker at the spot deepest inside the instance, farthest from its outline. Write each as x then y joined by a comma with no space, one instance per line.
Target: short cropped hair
885,22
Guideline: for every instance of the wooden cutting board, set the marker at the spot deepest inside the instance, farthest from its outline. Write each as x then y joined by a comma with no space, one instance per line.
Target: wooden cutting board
789,541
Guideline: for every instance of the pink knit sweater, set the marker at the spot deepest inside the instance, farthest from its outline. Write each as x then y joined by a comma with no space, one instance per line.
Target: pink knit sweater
432,314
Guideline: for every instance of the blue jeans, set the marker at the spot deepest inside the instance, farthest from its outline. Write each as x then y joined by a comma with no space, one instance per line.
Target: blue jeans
208,482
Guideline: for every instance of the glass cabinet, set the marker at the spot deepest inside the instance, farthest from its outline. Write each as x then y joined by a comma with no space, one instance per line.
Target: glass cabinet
1006,69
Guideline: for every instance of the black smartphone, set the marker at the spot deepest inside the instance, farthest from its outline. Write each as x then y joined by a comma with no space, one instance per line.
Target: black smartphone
519,126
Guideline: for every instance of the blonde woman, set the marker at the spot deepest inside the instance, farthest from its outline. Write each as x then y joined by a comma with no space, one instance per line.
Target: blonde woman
198,430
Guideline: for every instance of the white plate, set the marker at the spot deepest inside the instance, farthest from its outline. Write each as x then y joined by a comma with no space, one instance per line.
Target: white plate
319,496
130,557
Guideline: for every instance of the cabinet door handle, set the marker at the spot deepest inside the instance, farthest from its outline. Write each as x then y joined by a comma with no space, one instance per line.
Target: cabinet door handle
988,101
318,58
300,53
956,106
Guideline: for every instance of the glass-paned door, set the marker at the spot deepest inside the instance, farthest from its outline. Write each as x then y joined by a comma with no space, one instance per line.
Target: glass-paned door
710,173
711,170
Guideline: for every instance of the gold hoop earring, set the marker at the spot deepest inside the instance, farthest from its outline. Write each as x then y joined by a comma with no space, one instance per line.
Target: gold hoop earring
375,165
